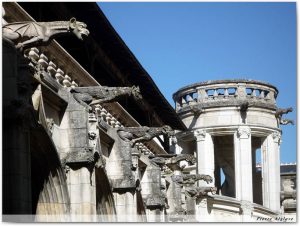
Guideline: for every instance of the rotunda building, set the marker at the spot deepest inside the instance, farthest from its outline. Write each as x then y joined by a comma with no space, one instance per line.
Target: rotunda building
232,126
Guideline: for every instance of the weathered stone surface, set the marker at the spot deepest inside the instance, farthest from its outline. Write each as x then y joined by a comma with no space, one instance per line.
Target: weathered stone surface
140,134
31,33
102,94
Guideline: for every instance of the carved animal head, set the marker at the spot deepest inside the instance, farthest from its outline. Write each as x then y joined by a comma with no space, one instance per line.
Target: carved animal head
168,130
78,28
136,92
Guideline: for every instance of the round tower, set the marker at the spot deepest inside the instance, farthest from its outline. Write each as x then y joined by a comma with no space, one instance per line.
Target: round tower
234,125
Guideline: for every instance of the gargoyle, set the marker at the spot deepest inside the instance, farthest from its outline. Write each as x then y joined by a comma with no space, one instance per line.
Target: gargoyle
102,94
140,134
197,192
171,159
244,106
29,33
281,111
191,178
286,121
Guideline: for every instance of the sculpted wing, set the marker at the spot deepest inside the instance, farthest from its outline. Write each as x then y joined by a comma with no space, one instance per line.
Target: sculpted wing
28,29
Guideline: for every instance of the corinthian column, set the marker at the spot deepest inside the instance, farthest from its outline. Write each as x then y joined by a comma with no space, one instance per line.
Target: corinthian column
271,171
205,156
243,164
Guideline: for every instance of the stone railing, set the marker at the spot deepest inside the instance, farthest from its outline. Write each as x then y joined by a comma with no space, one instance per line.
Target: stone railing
228,92
40,59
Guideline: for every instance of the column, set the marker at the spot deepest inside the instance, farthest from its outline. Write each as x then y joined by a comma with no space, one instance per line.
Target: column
243,164
271,171
205,156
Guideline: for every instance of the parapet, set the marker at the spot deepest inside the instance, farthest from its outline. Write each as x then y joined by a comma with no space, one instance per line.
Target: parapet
229,92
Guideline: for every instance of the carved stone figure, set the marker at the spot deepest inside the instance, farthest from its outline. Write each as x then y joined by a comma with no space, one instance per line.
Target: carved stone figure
286,121
197,192
196,109
244,106
102,94
140,134
29,33
171,159
281,111
191,178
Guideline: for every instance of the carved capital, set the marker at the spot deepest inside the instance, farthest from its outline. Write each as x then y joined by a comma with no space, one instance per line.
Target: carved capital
200,134
244,132
276,137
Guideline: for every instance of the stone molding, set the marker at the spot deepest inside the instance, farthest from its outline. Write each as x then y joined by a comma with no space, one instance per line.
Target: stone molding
244,132
246,207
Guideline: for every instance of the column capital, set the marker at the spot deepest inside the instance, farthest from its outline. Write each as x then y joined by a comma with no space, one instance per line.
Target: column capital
276,137
199,134
244,132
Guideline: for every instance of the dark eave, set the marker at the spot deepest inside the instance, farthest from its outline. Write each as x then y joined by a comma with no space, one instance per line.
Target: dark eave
105,55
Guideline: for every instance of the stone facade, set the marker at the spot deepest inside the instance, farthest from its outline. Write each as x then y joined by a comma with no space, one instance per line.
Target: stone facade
77,150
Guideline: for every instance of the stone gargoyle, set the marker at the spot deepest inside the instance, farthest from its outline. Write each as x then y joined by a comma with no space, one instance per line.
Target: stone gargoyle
92,95
189,179
282,111
197,192
141,134
196,109
28,33
171,159
284,121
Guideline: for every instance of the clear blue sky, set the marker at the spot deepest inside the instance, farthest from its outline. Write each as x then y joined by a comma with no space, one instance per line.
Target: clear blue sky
183,43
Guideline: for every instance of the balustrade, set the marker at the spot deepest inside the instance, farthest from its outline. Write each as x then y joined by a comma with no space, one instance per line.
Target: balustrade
227,90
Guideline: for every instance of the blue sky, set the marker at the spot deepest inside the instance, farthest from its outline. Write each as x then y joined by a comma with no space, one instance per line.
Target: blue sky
183,43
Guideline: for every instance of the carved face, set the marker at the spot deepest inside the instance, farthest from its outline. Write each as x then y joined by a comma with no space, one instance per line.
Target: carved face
78,28
136,92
